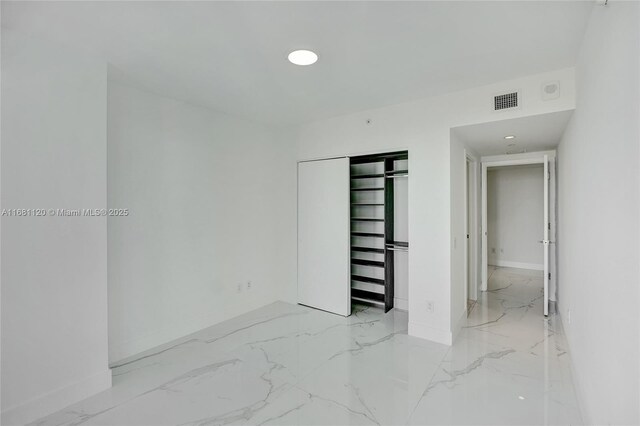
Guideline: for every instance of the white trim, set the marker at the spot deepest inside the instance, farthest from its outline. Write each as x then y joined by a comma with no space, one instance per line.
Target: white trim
466,227
400,304
545,238
58,399
516,157
484,257
471,251
519,265
423,331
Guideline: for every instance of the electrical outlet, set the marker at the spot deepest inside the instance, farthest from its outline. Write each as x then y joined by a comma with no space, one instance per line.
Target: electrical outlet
249,285
493,250
239,288
430,306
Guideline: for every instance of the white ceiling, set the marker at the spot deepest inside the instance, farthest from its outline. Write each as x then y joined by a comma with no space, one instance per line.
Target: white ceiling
232,56
533,133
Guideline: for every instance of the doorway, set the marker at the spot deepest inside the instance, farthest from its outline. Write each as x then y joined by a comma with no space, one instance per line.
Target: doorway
512,141
517,223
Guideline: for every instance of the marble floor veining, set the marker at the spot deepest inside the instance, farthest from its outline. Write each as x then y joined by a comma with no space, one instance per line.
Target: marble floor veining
291,365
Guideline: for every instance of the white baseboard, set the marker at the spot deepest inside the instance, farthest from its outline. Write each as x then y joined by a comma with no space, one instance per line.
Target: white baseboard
57,400
519,265
401,304
429,333
131,349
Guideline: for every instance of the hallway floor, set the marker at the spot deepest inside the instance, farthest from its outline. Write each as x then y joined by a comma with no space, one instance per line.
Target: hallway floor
288,364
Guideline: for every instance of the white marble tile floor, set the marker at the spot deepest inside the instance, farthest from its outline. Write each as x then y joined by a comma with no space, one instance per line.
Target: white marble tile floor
291,365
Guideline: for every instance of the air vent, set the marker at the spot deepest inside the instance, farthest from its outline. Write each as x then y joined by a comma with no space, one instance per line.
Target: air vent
505,101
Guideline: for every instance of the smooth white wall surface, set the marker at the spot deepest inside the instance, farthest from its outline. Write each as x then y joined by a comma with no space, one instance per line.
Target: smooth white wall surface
423,127
599,207
212,202
54,269
515,203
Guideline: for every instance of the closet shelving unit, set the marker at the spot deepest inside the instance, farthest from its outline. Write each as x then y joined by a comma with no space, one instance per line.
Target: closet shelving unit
372,227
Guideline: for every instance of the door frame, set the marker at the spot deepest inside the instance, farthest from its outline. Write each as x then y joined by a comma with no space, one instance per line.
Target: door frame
471,228
547,158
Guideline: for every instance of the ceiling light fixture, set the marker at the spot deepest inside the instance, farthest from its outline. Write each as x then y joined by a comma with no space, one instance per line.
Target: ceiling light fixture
509,137
302,57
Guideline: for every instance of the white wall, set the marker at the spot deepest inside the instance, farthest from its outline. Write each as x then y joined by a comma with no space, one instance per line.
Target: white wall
599,207
515,204
54,269
212,201
423,127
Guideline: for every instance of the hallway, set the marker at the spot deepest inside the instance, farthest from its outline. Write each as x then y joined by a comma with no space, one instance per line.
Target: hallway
508,365
288,364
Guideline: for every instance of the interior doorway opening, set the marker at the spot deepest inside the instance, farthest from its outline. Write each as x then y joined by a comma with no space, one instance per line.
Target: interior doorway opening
519,222
515,214
504,143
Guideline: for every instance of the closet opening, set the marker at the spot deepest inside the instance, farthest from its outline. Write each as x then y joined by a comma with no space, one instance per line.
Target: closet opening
353,232
379,230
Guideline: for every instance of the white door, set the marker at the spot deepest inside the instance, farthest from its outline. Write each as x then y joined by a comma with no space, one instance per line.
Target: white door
324,280
485,251
545,238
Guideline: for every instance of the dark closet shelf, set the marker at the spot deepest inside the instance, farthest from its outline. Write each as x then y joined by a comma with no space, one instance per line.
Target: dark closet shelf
368,249
366,219
365,262
367,204
363,300
367,297
367,189
368,159
367,234
370,176
378,158
369,280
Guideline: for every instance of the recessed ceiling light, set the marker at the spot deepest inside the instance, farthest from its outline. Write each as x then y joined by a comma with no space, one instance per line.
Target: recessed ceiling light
303,57
510,137
521,398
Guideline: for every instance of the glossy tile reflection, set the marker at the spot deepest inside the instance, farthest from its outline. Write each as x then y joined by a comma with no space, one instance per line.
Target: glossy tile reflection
287,364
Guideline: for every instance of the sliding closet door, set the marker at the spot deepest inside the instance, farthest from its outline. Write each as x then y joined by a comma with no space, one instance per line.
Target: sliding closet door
323,235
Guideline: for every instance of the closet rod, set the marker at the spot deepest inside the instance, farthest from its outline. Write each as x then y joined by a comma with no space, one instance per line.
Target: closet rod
394,247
